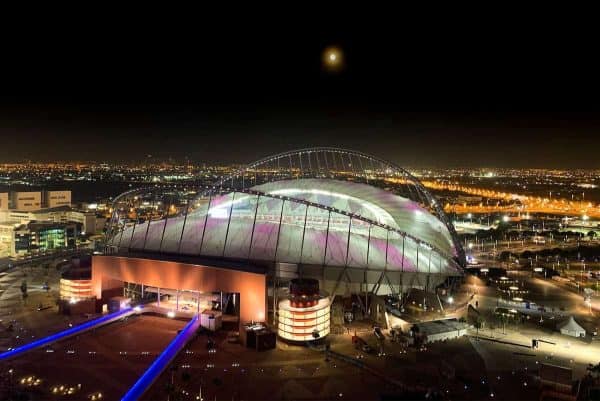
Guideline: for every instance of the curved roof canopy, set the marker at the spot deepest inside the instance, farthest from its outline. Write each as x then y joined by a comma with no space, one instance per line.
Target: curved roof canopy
303,221
370,202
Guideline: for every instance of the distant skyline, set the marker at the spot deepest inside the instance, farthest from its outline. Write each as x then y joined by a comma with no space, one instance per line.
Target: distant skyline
459,95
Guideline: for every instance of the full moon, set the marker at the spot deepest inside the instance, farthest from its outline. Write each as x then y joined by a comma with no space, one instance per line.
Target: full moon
332,58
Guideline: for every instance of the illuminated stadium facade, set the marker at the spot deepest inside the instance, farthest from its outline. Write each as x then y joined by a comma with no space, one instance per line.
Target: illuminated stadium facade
354,222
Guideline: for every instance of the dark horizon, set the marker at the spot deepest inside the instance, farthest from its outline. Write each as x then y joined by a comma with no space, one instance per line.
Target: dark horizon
523,97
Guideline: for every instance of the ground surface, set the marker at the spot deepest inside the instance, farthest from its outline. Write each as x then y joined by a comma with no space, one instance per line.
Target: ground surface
27,322
108,360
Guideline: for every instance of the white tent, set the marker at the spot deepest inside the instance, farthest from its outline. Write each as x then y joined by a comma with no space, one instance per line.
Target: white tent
571,328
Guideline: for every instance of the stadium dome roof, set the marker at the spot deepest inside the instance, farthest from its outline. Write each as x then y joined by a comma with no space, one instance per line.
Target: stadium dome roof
303,221
370,202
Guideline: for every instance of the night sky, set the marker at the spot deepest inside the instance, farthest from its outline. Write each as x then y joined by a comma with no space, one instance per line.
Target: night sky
425,92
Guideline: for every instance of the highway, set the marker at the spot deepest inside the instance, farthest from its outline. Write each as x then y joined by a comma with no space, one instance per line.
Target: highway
517,203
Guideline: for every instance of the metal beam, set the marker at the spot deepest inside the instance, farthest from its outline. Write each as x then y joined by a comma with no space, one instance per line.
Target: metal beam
187,209
228,223
278,231
253,225
205,221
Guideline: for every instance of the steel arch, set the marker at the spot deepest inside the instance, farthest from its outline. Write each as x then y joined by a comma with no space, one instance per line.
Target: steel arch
425,196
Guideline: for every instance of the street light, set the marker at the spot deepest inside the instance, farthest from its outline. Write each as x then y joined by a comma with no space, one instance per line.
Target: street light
582,270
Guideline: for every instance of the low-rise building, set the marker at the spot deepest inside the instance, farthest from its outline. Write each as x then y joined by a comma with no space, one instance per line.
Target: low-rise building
36,238
440,330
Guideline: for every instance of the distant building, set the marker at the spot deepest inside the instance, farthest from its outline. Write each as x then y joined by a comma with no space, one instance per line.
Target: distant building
33,201
19,228
468,199
41,237
440,330
87,219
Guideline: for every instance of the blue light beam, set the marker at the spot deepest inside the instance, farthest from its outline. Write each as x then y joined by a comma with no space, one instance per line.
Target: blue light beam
160,363
63,334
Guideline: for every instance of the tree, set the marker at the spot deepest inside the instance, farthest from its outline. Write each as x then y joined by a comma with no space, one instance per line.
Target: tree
591,234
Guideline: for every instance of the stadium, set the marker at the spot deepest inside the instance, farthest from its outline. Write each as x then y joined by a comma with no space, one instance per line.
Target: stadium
353,223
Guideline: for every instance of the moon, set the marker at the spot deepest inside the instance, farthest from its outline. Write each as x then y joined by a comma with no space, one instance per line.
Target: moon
333,59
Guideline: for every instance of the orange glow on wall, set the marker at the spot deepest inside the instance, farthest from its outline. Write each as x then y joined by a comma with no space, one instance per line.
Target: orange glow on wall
109,273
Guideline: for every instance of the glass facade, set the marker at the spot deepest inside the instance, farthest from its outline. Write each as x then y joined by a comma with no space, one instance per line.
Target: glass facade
51,239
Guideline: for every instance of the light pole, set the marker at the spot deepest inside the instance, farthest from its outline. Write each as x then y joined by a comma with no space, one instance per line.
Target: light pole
582,271
531,264
199,396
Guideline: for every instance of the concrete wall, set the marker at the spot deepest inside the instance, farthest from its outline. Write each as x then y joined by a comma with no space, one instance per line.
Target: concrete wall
4,201
57,198
87,220
109,272
26,201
